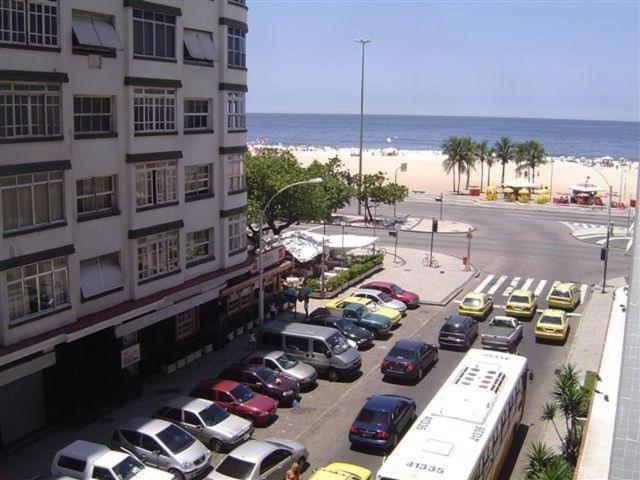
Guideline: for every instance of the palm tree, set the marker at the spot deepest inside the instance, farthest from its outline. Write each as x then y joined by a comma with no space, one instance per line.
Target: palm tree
490,160
469,157
482,155
449,148
459,152
536,157
557,469
505,153
520,158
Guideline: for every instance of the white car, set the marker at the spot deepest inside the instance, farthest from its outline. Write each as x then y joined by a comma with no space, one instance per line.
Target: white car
86,460
381,298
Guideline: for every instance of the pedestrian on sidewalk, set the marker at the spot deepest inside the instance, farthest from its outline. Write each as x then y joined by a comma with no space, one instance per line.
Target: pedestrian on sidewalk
273,311
306,308
252,341
293,473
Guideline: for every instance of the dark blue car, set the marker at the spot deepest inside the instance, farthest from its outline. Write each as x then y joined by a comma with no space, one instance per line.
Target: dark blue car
382,421
409,359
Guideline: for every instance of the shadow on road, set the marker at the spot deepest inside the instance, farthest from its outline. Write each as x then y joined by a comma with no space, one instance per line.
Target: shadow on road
512,457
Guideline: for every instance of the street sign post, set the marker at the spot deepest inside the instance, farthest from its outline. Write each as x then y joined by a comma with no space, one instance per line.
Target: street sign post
469,237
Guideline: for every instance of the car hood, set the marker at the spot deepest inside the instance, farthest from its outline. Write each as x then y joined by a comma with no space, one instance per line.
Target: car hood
297,448
150,473
376,318
300,371
340,471
350,356
409,297
231,426
359,333
193,453
259,402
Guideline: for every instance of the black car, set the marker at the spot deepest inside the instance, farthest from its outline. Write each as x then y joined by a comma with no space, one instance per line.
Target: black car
458,331
263,380
409,359
382,421
362,337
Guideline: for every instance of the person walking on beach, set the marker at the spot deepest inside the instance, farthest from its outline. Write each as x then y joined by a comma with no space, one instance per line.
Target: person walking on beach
293,473
252,341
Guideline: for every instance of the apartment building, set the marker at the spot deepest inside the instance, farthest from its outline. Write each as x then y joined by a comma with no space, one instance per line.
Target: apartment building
122,195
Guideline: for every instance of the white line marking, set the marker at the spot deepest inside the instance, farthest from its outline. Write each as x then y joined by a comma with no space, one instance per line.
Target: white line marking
555,284
484,283
511,287
539,288
496,285
527,284
583,291
457,301
574,314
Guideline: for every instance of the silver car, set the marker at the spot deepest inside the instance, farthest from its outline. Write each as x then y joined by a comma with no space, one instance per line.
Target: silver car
287,366
261,460
381,298
161,444
213,425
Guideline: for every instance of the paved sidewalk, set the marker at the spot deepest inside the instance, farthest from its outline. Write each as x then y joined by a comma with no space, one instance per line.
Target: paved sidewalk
408,224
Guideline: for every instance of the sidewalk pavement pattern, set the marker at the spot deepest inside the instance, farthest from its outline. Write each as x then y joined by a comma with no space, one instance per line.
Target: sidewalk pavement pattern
597,234
408,224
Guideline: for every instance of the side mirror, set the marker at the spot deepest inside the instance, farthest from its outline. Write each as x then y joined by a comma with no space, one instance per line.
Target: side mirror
530,376
328,354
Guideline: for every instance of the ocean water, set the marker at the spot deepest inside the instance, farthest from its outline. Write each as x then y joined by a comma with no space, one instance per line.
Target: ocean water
408,132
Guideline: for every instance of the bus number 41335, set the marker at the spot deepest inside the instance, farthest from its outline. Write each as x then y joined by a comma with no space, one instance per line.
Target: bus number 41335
425,466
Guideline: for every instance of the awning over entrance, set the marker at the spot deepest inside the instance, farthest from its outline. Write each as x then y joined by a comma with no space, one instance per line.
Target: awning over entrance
305,246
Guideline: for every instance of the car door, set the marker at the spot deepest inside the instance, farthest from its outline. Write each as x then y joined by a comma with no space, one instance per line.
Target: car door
131,443
224,400
251,380
193,425
423,356
274,466
152,451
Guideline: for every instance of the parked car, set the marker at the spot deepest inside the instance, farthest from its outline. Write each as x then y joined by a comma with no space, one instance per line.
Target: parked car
161,444
382,421
372,307
358,337
409,359
257,460
236,398
503,333
458,331
410,299
381,298
263,380
565,295
476,305
341,471
208,422
552,325
86,460
361,317
521,303
286,365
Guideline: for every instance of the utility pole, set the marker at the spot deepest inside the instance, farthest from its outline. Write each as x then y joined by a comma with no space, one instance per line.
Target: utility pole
324,236
467,267
402,168
606,254
363,42
551,181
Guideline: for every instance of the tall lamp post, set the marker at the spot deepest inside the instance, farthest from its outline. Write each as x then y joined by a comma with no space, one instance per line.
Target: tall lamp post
402,168
606,252
363,42
260,249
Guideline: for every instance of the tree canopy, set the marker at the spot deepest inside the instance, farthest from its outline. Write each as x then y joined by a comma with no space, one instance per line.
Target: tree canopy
376,189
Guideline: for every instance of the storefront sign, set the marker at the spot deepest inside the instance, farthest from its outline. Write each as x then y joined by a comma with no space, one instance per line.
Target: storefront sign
269,258
129,356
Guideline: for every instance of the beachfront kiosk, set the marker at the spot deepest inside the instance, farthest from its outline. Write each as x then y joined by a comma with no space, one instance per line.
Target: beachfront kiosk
519,189
586,193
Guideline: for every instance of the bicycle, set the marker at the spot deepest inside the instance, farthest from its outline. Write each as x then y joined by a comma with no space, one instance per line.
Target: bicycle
373,250
430,261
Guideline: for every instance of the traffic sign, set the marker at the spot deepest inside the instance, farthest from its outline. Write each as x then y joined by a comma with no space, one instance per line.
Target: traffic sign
403,167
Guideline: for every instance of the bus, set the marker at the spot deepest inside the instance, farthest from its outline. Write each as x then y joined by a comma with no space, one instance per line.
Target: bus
466,430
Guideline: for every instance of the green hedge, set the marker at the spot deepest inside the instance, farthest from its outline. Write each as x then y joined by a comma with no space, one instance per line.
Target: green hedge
360,264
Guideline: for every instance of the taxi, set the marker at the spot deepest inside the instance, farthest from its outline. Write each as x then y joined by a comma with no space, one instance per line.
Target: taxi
394,316
341,471
565,295
476,305
552,325
521,303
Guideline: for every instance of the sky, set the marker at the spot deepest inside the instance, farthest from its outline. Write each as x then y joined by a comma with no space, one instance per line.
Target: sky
543,59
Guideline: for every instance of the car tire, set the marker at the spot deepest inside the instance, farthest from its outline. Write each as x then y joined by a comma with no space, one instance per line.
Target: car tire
216,445
177,474
302,461
332,375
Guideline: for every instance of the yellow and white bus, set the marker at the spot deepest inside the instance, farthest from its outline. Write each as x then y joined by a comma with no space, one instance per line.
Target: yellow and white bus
466,430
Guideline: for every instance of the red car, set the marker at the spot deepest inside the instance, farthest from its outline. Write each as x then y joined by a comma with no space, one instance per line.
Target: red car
410,299
236,398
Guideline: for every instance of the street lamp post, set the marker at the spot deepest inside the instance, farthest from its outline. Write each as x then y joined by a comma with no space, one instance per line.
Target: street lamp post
551,180
260,249
363,42
606,253
402,168
324,236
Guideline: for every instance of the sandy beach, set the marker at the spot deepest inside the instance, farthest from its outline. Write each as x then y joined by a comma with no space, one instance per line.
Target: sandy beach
424,170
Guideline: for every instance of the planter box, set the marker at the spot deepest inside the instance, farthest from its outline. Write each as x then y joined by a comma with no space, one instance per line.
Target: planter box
197,354
348,284
190,358
206,349
170,368
181,363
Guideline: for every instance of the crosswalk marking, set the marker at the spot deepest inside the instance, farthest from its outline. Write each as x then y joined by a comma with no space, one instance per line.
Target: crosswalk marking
484,283
511,287
527,284
539,288
582,226
496,285
583,292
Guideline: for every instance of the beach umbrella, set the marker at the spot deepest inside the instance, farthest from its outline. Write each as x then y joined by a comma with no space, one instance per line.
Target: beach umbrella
507,190
525,191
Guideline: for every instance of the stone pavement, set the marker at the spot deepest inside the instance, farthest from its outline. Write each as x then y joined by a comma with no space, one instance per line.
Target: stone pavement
409,224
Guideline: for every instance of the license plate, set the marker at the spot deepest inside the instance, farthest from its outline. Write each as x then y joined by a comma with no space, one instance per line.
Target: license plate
246,435
367,434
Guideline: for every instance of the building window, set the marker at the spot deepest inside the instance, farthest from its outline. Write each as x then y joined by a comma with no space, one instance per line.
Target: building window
154,34
246,296
196,114
199,47
235,166
187,323
198,181
157,254
237,233
96,194
29,110
92,114
94,32
154,110
236,45
29,22
199,245
235,111
37,288
99,275
156,183
32,200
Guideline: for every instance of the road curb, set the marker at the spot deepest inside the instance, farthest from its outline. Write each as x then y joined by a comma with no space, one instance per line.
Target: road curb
454,293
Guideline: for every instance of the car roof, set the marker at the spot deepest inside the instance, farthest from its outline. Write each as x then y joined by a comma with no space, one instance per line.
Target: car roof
149,426
85,450
475,295
456,319
379,283
187,403
382,402
344,470
253,450
110,459
272,354
564,286
521,291
553,312
222,385
408,343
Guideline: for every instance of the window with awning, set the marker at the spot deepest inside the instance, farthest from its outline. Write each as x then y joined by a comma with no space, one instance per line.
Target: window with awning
95,33
199,47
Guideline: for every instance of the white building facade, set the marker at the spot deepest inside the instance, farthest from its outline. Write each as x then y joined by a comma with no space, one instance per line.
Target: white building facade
122,195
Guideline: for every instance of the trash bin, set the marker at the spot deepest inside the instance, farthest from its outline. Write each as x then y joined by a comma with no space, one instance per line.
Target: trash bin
474,191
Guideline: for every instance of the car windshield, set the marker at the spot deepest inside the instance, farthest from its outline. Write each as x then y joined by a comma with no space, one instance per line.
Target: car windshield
175,439
241,393
235,468
213,415
560,293
338,344
472,302
452,327
344,325
551,320
384,297
395,288
402,353
128,468
519,299
373,416
268,375
501,322
286,362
